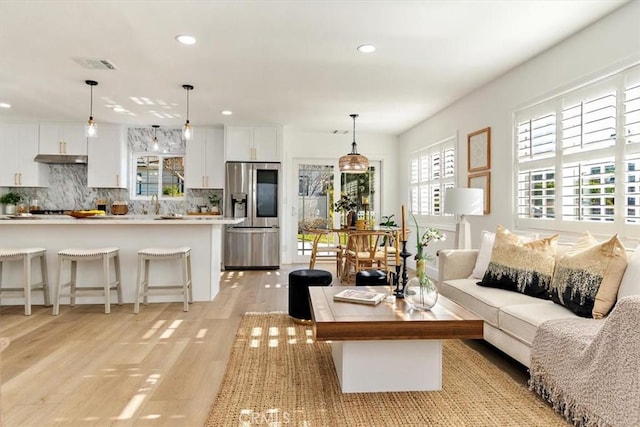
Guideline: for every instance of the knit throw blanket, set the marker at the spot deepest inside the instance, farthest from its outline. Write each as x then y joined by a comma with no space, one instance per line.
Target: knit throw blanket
589,370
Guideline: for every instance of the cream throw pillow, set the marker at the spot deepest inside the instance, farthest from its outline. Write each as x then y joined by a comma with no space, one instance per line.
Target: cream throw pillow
521,267
587,277
630,284
486,247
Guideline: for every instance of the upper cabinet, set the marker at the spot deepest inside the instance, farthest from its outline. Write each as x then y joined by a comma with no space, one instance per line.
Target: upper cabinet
107,158
63,138
205,159
253,143
18,147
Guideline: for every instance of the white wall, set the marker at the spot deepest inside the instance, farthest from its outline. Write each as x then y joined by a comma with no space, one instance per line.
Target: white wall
606,46
299,144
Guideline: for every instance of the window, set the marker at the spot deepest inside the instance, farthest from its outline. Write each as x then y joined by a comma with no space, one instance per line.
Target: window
158,174
578,157
431,172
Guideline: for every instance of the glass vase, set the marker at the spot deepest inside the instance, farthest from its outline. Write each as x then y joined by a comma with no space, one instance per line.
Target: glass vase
344,219
420,292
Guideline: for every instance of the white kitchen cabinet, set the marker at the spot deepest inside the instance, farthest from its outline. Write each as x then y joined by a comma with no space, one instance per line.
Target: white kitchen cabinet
63,138
205,159
253,143
18,147
107,158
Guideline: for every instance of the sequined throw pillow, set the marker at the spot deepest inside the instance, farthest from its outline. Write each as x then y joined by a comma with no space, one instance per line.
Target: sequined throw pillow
587,277
521,267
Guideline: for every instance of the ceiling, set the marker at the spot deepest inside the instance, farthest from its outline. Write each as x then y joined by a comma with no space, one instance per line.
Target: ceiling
293,63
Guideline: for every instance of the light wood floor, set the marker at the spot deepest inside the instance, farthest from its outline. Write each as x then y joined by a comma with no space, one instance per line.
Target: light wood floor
161,367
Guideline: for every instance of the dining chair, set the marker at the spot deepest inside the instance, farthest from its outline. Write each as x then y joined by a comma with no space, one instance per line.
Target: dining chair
366,250
393,249
327,246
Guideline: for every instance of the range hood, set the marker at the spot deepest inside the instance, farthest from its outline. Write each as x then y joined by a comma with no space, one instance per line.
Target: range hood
61,158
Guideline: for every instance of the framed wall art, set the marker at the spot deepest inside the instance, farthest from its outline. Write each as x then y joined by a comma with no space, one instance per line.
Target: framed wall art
482,180
479,150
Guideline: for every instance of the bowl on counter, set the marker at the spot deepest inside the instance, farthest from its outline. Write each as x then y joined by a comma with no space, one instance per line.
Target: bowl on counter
86,214
171,216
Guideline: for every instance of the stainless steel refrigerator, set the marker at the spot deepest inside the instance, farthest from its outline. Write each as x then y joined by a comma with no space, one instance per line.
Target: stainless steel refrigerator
253,193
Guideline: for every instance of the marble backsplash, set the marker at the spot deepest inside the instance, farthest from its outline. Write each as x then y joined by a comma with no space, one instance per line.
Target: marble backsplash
68,182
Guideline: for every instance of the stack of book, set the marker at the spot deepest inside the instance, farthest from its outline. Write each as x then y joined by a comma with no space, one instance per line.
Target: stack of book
360,297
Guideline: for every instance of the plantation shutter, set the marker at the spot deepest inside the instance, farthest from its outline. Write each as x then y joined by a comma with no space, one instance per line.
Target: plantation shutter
435,171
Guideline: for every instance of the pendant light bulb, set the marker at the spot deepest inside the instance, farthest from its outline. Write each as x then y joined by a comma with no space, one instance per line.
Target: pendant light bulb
155,137
353,162
91,128
187,132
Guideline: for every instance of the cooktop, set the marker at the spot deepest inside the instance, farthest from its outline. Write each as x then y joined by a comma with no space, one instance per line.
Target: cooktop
49,211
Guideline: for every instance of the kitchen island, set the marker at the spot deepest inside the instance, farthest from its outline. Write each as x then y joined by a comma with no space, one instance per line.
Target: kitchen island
130,233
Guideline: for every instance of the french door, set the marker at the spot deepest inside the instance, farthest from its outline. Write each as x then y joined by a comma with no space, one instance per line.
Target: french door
320,184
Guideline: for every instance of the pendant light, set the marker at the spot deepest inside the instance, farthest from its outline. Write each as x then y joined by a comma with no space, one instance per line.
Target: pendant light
91,128
155,137
187,132
354,162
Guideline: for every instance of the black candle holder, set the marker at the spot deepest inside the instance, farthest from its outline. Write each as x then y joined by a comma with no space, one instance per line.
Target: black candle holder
399,292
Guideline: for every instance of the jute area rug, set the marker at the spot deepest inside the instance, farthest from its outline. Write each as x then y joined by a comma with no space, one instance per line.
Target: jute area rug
278,376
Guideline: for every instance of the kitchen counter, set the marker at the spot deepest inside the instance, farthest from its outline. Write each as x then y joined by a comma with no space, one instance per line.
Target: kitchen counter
130,233
117,219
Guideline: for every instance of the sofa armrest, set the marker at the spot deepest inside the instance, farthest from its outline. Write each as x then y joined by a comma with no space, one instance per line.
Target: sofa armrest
456,263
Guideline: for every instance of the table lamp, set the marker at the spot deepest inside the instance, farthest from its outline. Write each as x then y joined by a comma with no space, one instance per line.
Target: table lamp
464,201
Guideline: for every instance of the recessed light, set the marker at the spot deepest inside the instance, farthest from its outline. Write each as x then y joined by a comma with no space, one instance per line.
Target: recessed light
226,112
366,48
186,39
4,105
119,109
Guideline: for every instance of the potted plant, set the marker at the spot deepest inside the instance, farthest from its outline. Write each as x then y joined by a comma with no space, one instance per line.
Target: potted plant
387,222
420,292
10,200
345,205
214,199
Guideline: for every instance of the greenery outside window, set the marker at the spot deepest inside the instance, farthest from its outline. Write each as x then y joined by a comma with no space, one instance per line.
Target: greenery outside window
161,175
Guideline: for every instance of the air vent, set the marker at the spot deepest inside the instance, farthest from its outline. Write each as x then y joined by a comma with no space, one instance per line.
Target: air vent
96,64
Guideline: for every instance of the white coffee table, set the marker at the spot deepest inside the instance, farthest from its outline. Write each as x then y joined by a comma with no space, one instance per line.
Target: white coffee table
388,347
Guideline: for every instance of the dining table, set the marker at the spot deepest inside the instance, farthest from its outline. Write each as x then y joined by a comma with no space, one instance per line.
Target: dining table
345,234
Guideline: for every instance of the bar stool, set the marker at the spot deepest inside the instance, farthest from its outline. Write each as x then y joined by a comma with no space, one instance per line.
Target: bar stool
74,256
26,256
144,288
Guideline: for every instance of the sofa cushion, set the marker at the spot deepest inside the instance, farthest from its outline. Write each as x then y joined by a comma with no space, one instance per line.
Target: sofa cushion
630,284
486,247
587,281
522,320
485,302
521,267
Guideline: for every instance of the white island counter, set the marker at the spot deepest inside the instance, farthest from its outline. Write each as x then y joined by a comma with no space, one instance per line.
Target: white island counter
130,233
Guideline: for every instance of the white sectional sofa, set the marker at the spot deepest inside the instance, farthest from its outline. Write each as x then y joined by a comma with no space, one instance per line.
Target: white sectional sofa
511,319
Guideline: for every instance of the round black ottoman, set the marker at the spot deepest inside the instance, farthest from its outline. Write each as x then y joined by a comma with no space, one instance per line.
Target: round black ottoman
299,282
371,278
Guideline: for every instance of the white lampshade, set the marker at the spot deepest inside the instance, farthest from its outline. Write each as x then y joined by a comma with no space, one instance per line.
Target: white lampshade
464,201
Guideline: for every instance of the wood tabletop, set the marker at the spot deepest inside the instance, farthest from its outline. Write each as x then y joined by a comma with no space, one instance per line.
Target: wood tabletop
334,320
